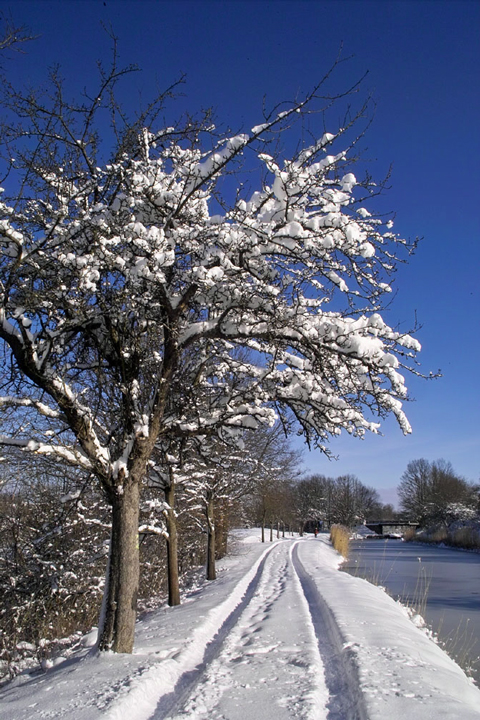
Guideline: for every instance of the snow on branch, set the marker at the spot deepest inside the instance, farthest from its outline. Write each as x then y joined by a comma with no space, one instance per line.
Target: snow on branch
128,298
42,408
58,452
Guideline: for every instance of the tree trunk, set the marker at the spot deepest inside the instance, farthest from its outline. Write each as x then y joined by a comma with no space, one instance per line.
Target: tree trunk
221,529
211,572
172,547
271,531
120,607
278,530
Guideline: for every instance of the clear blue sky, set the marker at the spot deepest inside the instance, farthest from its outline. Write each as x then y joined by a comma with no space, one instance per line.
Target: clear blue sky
423,60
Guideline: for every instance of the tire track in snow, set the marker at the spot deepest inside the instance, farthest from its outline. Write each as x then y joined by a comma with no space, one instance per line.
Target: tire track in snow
341,673
266,663
188,681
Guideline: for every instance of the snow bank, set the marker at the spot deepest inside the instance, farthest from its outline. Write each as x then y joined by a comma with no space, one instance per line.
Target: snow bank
402,673
399,672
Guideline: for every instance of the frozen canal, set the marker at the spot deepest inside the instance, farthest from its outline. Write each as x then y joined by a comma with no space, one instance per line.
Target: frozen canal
443,583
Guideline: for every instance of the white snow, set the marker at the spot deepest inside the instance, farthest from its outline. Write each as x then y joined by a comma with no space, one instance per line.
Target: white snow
303,640
251,272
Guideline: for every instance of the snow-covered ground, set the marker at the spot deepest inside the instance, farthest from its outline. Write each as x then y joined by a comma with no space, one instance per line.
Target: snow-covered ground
281,634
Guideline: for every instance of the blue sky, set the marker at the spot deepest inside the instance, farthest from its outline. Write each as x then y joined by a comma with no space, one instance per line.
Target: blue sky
423,63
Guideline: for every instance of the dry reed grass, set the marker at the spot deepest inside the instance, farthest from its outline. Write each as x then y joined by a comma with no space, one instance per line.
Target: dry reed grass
409,534
466,537
340,538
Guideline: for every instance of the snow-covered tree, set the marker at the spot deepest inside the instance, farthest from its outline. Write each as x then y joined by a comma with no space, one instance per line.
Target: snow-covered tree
128,286
432,492
165,476
217,476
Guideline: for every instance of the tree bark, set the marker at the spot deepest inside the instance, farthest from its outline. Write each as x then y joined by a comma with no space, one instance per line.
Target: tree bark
210,513
221,529
172,548
120,608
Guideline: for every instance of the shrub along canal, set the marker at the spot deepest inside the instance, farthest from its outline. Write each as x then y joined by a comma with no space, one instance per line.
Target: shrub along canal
442,583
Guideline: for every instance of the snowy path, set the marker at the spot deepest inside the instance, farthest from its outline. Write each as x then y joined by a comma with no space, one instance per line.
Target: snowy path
269,665
281,634
341,673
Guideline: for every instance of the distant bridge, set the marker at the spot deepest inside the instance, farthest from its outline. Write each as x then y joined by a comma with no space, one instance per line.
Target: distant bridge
391,527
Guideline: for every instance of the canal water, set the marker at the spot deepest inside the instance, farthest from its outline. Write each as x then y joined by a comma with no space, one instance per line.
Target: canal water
442,584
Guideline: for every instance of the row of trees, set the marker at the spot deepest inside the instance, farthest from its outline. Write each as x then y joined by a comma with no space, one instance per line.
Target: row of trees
149,314
55,526
324,501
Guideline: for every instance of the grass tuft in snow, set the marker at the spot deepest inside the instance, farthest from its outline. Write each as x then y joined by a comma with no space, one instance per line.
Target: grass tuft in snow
340,537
